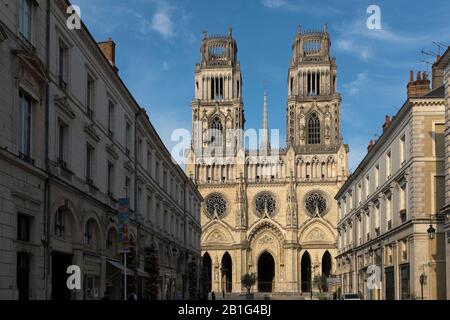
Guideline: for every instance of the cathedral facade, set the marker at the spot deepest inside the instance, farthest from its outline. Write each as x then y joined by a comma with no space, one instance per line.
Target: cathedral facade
268,210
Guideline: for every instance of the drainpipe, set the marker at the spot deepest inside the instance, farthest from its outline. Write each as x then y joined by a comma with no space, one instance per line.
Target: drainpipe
46,237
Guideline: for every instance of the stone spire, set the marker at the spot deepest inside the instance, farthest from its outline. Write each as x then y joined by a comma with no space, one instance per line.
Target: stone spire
265,143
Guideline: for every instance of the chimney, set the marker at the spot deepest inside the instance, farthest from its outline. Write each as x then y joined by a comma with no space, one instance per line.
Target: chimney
387,123
418,87
109,50
437,74
370,146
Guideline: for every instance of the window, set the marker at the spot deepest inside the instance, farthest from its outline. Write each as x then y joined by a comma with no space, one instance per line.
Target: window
127,138
110,180
24,125
367,187
238,89
157,174
389,205
62,144
377,219
377,176
23,275
88,233
314,129
359,194
368,225
149,163
63,65
165,180
127,186
149,209
111,108
90,96
216,129
25,19
388,165
23,227
60,224
89,163
403,201
139,150
110,240
402,149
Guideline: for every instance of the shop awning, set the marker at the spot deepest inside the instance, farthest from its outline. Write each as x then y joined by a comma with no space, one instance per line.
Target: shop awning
119,266
142,273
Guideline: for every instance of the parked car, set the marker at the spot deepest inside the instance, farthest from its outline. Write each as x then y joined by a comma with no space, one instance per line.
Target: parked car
350,296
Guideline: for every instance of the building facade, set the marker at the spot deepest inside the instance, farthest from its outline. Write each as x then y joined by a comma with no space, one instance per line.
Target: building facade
391,234
444,64
73,142
267,210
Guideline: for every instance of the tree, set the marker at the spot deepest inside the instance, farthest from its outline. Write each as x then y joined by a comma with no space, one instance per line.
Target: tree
248,281
321,283
205,283
192,276
151,266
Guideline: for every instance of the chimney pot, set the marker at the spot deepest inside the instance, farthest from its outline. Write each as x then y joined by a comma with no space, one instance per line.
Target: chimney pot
109,50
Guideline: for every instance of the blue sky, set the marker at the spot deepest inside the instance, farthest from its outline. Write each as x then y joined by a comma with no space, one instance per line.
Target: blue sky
158,44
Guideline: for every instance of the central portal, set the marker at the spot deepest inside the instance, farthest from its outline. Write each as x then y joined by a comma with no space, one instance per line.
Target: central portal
266,272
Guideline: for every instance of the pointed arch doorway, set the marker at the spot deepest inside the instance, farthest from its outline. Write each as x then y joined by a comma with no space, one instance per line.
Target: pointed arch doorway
227,272
306,272
266,273
207,272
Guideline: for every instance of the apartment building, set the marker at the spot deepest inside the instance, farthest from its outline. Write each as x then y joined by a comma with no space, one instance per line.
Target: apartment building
391,232
73,141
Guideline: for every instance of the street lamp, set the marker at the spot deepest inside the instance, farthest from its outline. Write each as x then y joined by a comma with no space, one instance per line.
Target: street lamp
431,232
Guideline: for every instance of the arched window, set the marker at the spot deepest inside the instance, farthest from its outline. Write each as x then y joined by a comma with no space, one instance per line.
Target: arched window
216,129
314,129
60,223
88,233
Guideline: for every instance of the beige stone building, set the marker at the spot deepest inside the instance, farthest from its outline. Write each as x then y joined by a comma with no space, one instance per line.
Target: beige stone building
268,210
444,65
391,235
72,142
22,150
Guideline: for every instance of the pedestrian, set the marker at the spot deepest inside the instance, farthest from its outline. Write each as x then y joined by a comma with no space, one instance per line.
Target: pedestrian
223,294
132,296
105,296
213,295
334,296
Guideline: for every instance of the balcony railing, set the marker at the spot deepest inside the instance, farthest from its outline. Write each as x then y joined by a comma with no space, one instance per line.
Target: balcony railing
26,158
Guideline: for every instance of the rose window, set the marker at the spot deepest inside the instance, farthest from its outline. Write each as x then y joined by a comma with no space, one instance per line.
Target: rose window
265,203
316,203
216,204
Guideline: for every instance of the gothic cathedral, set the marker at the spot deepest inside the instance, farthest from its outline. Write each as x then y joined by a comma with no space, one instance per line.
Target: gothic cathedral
269,211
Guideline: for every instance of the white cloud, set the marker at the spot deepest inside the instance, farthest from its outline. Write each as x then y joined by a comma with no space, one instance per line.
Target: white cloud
273,4
362,51
163,24
353,88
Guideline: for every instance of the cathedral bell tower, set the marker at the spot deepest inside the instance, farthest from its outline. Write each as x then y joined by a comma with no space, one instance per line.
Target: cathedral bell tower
217,108
313,108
